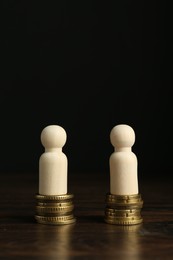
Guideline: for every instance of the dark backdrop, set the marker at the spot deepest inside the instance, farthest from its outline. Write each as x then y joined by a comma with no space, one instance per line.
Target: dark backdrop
86,66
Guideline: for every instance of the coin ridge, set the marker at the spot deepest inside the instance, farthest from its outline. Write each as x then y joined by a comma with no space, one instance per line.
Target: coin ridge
55,204
136,198
54,218
124,206
54,197
122,222
64,222
138,195
122,214
55,210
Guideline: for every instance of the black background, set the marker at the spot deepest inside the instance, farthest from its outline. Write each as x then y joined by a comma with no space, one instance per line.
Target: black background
86,66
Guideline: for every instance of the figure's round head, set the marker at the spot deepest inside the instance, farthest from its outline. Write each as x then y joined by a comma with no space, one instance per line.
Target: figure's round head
122,136
53,136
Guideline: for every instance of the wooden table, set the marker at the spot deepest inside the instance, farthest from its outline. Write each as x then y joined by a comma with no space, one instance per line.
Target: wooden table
90,237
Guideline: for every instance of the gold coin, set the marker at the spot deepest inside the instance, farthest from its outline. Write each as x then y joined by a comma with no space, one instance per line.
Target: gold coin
125,206
118,218
125,199
114,221
54,210
60,220
55,204
122,212
119,197
125,203
54,197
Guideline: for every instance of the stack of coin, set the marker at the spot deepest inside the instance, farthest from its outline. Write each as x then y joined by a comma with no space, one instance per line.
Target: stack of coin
55,209
123,209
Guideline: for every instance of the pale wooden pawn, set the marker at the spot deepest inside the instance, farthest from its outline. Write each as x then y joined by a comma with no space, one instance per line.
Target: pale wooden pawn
53,162
123,162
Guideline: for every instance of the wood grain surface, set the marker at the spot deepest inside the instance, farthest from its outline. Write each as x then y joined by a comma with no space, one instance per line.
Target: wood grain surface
90,237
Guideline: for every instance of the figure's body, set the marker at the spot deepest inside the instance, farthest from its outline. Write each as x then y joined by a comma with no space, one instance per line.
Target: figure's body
123,162
53,162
